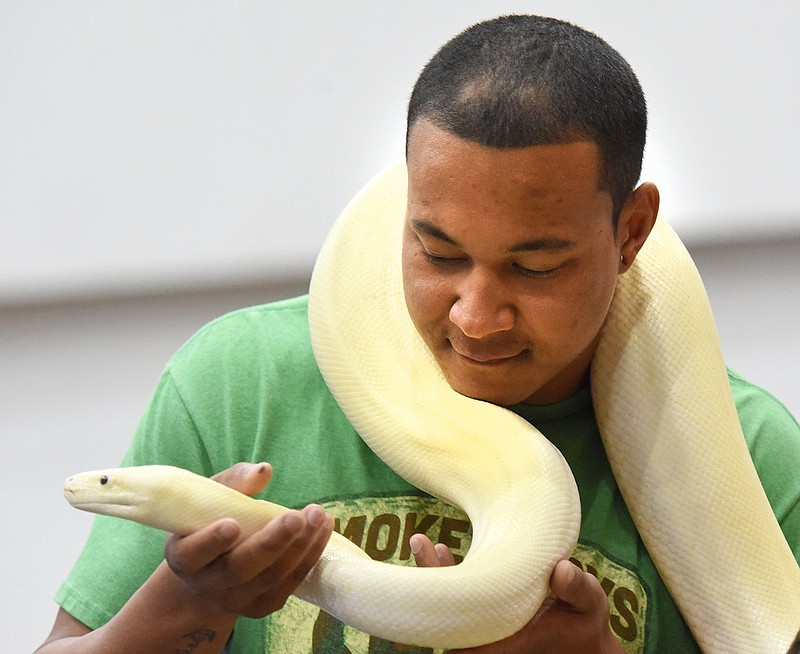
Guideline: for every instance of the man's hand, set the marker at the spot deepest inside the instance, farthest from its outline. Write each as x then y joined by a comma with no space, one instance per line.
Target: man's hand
574,618
251,576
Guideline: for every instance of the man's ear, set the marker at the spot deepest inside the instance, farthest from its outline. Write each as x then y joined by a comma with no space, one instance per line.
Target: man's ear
635,222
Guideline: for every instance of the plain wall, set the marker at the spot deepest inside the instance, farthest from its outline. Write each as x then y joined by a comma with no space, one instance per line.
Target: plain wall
164,162
146,143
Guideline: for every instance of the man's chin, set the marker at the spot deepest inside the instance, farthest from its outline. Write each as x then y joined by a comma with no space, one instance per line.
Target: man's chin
502,384
494,393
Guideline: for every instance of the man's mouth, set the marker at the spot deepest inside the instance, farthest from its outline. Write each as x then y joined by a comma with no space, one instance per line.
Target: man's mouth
486,357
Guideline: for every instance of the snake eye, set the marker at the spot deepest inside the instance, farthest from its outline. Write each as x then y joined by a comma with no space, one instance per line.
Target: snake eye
103,480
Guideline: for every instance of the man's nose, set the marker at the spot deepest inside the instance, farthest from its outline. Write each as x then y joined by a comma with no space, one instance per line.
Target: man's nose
481,307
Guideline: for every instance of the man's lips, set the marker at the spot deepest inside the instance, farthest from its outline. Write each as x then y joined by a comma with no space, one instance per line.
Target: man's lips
485,357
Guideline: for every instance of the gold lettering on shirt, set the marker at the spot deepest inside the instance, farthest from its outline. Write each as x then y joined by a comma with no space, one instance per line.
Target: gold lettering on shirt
382,527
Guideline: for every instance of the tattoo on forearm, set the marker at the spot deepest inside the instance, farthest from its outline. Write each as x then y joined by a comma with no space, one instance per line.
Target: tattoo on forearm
195,639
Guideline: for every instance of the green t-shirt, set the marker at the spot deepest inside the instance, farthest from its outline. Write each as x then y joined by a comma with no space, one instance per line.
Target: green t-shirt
246,388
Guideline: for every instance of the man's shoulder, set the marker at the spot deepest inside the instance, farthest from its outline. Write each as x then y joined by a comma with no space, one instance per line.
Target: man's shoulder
273,321
248,337
771,431
282,316
755,403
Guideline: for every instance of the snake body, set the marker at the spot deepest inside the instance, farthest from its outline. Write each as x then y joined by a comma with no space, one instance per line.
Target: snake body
664,409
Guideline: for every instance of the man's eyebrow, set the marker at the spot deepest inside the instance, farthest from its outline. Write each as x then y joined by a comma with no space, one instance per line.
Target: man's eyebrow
547,243
424,227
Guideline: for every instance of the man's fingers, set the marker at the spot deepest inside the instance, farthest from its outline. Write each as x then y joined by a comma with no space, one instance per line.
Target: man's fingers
444,554
292,549
269,590
428,555
575,587
251,576
247,478
322,527
423,551
272,553
188,554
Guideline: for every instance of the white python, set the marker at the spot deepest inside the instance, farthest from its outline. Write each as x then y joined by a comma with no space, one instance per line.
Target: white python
664,408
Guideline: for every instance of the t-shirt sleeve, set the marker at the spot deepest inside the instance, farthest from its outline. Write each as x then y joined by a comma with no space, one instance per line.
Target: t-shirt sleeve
120,555
773,437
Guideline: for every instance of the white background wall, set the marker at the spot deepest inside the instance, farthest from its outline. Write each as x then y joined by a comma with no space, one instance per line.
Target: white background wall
163,162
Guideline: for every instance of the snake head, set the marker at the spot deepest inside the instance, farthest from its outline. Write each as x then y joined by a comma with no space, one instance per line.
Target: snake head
164,497
107,492
99,491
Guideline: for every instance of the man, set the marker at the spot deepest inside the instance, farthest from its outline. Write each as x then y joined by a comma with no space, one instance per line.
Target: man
524,147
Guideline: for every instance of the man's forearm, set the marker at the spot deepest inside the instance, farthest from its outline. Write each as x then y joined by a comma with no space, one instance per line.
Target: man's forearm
161,617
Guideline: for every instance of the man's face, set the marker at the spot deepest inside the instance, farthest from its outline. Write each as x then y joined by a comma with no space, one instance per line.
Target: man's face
509,263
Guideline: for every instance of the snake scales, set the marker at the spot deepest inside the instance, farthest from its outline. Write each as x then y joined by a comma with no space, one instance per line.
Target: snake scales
678,455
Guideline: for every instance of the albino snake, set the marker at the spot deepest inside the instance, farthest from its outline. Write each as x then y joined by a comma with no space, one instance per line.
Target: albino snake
669,426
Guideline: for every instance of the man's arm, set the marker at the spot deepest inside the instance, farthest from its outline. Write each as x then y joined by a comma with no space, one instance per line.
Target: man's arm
161,616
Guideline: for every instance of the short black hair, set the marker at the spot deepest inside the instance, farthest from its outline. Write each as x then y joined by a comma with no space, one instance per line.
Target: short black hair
517,81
